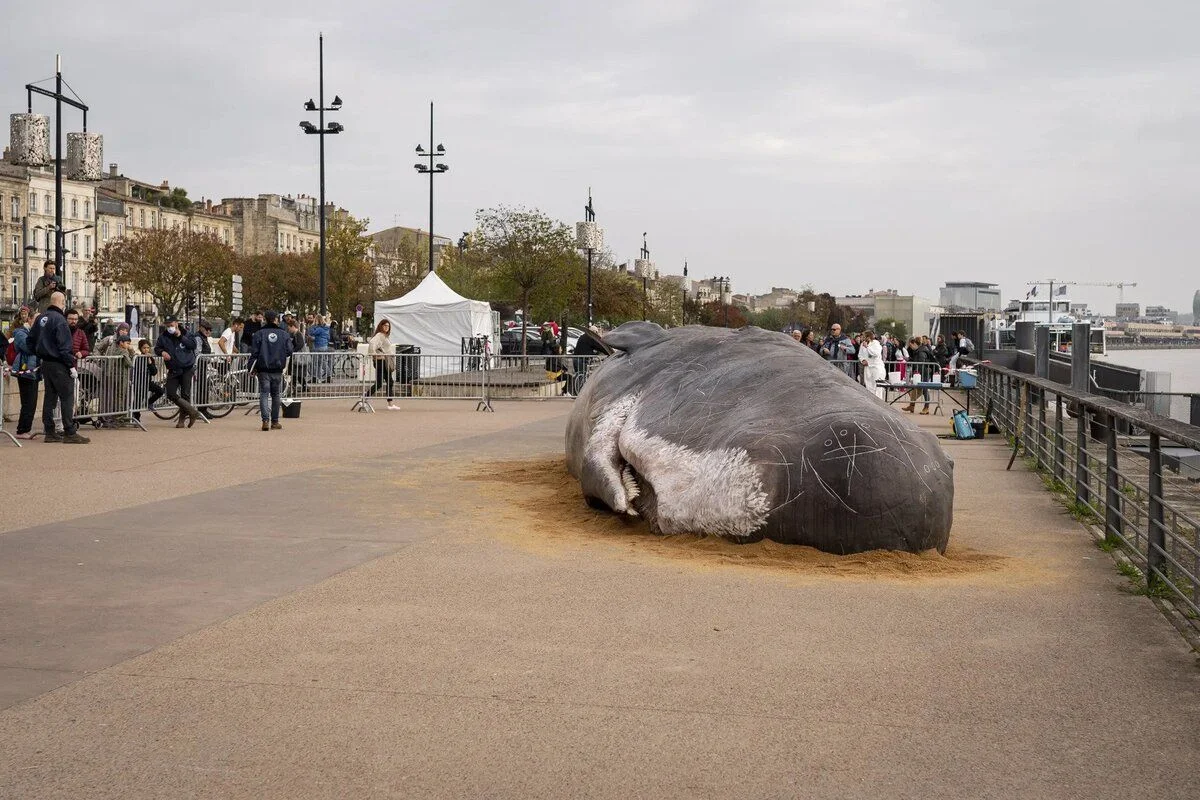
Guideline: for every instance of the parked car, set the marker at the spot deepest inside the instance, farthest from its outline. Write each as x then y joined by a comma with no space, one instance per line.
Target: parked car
510,342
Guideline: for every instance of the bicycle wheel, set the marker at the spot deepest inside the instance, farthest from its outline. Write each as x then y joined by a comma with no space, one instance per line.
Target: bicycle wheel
164,409
221,395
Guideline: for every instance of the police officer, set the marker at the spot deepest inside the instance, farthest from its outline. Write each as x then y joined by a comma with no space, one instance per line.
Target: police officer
53,346
178,351
269,352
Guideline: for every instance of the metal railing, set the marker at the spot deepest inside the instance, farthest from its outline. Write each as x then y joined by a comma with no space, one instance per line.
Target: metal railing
1130,472
5,382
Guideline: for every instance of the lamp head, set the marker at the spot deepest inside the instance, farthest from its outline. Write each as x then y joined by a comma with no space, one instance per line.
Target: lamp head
420,149
337,101
419,167
443,168
336,127
310,105
307,127
441,149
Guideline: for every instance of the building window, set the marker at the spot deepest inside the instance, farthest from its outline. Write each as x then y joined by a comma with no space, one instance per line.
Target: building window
14,291
75,208
2,208
121,229
16,208
47,205
87,209
142,217
87,246
32,203
75,245
107,297
104,230
16,249
47,232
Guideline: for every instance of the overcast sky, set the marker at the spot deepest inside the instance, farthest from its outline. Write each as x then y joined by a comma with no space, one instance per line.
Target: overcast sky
849,144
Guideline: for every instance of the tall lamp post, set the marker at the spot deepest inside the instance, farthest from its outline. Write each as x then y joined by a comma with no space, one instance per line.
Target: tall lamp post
589,237
644,268
31,147
321,130
431,169
683,299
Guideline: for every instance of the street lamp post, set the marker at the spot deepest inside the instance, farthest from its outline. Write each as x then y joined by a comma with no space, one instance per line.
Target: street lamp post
322,131
683,300
589,237
84,150
644,268
431,169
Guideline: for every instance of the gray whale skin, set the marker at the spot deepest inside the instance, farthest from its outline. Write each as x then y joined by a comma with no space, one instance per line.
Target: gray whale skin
747,434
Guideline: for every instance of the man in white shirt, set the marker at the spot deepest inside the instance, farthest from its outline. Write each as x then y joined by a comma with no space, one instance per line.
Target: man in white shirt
229,336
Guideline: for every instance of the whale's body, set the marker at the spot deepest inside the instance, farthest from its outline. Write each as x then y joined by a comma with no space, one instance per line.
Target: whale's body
749,435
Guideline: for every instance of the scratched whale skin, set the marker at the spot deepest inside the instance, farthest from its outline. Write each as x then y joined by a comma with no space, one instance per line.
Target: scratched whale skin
746,434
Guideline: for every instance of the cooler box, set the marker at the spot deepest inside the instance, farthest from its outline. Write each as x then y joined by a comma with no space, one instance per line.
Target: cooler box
966,380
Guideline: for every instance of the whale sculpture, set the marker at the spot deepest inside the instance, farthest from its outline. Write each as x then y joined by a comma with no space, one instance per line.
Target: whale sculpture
747,434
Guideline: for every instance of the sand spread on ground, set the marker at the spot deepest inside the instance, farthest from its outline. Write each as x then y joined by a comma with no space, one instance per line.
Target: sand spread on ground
540,505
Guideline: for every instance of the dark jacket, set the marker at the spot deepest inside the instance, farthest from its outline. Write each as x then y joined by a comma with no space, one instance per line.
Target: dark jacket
52,337
270,349
925,359
25,367
42,291
181,349
248,330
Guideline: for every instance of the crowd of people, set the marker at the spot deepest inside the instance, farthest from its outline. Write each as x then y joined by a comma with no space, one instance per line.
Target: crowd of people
868,358
48,344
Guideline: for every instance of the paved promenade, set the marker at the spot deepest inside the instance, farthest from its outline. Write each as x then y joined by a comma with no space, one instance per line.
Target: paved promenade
334,611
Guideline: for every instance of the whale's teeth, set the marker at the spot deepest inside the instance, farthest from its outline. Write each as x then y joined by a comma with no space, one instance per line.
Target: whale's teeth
630,483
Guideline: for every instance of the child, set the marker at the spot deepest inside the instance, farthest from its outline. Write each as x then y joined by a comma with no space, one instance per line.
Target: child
144,370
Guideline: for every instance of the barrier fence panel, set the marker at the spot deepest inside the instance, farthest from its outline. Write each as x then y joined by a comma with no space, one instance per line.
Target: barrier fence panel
332,375
539,376
6,382
1121,468
103,390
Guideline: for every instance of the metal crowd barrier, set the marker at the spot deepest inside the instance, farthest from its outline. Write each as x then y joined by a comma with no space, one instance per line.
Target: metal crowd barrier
5,382
1130,472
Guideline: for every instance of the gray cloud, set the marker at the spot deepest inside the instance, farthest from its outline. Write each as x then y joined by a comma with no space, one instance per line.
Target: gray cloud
845,144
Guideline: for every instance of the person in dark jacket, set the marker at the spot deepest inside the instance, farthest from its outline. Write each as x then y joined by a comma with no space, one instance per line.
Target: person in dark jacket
203,365
269,354
25,370
178,351
52,338
46,286
923,362
252,326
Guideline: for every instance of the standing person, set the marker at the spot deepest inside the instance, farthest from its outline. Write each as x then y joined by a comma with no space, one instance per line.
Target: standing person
178,352
962,347
144,370
383,353
120,370
79,341
46,286
942,352
227,344
203,348
319,335
298,367
26,371
269,354
808,338
921,364
89,326
837,348
870,355
55,349
252,326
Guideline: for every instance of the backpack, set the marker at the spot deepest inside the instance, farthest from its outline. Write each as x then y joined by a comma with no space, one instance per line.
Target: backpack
962,426
10,353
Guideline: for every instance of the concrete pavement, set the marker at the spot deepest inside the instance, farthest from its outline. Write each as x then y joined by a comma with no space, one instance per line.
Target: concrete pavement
363,622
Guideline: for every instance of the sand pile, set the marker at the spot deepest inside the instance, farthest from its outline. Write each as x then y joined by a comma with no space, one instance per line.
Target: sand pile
542,505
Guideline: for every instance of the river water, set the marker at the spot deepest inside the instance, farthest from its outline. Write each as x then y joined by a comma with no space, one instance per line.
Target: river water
1183,364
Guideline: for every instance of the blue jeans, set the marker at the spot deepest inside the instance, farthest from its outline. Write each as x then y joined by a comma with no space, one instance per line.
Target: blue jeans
324,365
270,385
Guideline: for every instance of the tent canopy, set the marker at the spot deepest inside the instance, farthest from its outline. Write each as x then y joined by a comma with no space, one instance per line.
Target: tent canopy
435,318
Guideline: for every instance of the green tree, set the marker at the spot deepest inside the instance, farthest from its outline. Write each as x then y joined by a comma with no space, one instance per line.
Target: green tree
282,281
349,273
169,264
530,256
892,326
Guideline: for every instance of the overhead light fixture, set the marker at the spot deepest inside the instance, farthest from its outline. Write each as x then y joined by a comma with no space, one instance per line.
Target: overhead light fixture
337,101
420,149
310,105
336,127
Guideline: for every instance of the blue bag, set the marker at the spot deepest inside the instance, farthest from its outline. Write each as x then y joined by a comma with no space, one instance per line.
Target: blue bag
962,426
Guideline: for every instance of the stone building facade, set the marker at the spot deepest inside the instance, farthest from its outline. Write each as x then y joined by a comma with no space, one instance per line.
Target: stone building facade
272,223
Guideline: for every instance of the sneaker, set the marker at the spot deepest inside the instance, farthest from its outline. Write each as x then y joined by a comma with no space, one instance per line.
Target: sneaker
266,425
75,438
52,437
393,407
275,426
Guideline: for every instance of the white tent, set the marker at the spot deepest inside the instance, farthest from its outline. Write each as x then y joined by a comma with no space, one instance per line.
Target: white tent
435,318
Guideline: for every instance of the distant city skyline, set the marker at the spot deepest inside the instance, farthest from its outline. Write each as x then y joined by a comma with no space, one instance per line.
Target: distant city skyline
845,146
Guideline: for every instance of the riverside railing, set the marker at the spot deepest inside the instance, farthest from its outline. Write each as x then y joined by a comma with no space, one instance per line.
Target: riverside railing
1128,471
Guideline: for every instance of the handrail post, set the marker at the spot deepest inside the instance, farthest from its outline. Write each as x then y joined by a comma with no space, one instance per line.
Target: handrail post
1060,445
1112,493
1082,486
1043,458
1028,416
1156,540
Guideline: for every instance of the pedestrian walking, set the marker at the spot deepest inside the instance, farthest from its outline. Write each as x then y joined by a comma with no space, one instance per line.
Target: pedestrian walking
178,352
25,369
54,348
269,354
383,353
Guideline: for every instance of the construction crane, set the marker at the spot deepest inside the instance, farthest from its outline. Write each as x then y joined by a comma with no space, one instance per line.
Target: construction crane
1052,282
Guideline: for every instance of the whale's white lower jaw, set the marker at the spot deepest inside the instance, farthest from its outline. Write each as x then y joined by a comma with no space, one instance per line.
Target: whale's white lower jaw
716,492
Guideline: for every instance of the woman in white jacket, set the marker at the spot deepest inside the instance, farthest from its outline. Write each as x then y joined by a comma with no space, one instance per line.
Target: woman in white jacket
384,355
870,355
